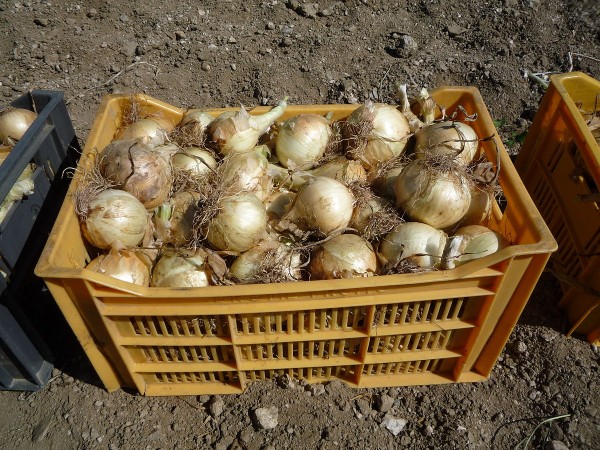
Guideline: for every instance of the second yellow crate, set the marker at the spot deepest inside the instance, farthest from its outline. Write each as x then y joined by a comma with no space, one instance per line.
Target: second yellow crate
560,165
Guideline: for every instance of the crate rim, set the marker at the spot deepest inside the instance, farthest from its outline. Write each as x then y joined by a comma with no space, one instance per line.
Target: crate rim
592,156
545,242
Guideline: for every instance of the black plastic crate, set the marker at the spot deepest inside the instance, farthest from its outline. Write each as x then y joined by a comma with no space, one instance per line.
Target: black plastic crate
30,322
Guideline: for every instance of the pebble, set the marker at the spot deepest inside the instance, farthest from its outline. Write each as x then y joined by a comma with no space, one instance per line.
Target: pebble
383,403
216,406
455,30
393,424
124,18
42,22
41,429
286,42
316,389
266,418
98,403
205,66
363,406
519,347
179,35
224,443
556,445
428,430
309,10
231,40
270,26
92,13
129,48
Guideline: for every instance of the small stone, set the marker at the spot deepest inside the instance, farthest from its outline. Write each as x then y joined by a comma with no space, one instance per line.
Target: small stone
519,347
556,445
309,10
363,406
205,66
41,429
98,403
231,40
233,66
384,403
124,18
461,429
92,13
224,443
393,425
42,22
428,430
455,30
270,26
129,48
114,68
179,35
216,406
316,389
265,418
70,21
51,59
246,435
286,42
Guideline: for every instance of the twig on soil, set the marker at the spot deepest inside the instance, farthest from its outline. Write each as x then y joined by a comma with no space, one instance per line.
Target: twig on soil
534,77
581,55
111,79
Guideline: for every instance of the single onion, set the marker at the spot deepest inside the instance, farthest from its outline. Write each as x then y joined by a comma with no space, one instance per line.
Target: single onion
154,130
185,269
239,132
14,122
343,256
198,161
375,132
174,220
268,261
246,172
447,138
302,141
342,169
23,187
437,196
472,242
137,169
123,265
240,223
115,219
412,243
322,204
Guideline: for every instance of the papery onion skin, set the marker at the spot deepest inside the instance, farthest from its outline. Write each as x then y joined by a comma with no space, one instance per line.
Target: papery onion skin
240,223
448,138
342,169
480,206
302,141
437,198
343,256
383,183
472,242
364,211
200,118
153,130
135,168
183,270
115,219
322,204
278,203
413,242
124,265
14,122
376,132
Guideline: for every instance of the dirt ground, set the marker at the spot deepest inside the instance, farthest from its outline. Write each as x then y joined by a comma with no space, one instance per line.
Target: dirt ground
220,53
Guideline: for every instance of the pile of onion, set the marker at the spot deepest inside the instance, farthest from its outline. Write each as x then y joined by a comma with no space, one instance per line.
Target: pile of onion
242,198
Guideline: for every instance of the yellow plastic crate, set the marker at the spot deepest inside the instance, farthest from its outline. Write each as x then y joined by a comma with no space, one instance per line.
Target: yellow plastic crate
560,164
410,329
